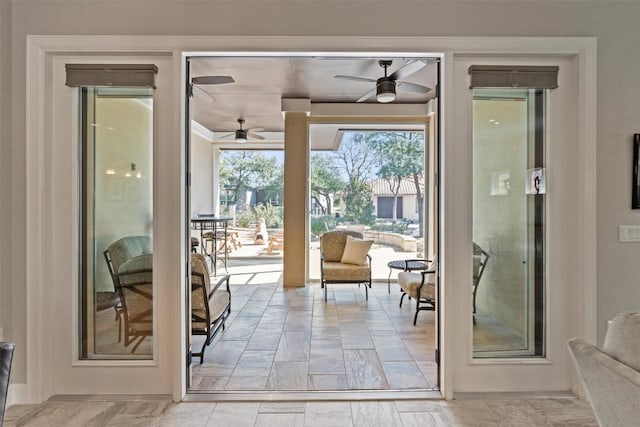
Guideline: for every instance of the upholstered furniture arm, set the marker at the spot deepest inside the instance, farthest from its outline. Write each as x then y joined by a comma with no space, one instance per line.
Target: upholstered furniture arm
136,276
613,387
225,280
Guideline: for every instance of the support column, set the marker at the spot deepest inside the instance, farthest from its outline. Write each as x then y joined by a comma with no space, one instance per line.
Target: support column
215,176
296,165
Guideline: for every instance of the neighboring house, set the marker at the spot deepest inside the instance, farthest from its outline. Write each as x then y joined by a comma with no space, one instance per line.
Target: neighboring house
406,204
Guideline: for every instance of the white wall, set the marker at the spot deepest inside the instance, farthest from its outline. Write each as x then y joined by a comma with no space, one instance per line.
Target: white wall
613,23
5,170
201,175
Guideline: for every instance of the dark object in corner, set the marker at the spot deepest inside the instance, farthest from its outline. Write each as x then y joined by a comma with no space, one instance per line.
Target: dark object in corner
635,187
6,354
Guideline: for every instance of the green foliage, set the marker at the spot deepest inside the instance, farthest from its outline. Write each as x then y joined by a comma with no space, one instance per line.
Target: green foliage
272,216
359,203
245,218
320,224
244,169
325,180
399,227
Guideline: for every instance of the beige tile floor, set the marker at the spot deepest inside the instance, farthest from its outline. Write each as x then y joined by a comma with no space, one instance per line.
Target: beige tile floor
521,412
292,339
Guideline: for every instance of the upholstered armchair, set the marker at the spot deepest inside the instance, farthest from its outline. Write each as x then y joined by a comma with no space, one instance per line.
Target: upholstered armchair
611,375
130,263
344,258
6,355
210,306
420,286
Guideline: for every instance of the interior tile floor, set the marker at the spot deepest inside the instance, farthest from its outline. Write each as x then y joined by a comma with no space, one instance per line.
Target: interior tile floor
292,339
559,412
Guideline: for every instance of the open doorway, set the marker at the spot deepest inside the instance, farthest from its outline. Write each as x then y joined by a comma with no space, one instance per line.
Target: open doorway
282,339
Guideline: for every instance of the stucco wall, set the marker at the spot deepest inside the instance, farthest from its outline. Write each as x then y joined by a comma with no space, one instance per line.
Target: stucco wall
614,23
201,173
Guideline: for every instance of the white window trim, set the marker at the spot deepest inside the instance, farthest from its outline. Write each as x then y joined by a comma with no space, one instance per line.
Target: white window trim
41,48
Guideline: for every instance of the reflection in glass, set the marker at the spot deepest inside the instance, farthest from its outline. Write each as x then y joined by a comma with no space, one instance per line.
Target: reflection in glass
508,222
116,230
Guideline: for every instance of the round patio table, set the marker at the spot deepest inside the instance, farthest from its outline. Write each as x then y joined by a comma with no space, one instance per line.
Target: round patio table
412,265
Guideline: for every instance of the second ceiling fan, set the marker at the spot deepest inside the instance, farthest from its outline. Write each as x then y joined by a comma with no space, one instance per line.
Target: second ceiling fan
242,135
385,89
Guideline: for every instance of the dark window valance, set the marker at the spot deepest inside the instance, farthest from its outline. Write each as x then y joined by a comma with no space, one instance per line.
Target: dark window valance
111,75
512,76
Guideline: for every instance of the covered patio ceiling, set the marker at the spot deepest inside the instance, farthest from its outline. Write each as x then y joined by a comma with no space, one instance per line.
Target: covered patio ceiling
260,83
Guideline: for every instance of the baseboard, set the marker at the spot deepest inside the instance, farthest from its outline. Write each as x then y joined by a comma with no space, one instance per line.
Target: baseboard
17,394
516,395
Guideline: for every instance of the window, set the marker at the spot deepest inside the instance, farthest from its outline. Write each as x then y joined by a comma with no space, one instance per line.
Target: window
116,223
508,222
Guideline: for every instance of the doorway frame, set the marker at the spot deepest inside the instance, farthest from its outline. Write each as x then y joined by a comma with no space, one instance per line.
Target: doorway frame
428,121
40,50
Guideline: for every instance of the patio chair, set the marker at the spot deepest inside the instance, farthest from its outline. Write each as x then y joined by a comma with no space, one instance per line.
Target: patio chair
421,286
344,258
480,258
210,307
130,264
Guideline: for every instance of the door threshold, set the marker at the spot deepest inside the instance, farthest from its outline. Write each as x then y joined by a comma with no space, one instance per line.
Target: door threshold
304,396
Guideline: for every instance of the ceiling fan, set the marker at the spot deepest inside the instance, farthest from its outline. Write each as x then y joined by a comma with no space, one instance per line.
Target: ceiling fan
208,80
385,89
241,135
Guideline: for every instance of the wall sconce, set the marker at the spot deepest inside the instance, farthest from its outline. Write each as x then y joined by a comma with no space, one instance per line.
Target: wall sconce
133,168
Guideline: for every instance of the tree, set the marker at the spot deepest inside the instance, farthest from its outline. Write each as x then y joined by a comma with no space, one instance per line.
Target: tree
358,201
325,181
243,170
357,162
355,157
400,156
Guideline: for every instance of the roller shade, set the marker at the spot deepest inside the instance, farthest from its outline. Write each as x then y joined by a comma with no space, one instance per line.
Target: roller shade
107,75
508,76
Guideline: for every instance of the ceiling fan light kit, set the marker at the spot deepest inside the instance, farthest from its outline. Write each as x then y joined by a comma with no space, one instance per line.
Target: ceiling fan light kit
385,90
241,135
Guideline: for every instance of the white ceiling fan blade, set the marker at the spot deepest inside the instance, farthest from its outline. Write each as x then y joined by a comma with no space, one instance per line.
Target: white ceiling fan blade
367,95
412,87
255,136
227,135
212,80
407,69
256,130
203,95
358,79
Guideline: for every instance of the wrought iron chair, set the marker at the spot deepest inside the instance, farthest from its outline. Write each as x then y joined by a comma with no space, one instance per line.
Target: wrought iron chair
480,258
210,307
420,286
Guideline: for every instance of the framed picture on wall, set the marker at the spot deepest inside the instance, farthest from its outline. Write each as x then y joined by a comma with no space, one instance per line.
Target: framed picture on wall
635,186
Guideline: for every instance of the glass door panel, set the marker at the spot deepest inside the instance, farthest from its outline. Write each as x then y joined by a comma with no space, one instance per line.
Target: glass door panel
117,223
508,222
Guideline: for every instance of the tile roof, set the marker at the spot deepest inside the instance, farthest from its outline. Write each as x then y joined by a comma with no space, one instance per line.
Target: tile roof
380,187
